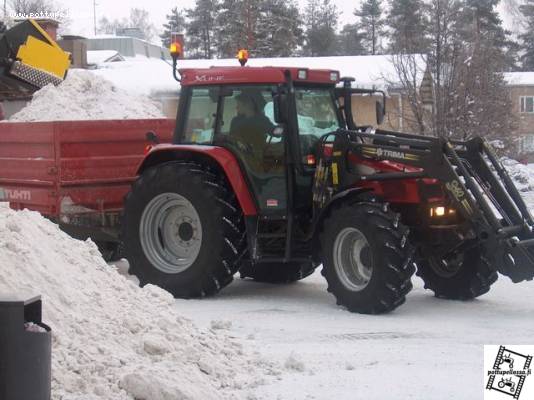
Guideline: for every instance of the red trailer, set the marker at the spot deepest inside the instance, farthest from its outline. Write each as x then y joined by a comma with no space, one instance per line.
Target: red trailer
75,172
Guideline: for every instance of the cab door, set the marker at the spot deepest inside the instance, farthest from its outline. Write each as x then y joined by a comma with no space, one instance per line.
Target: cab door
215,117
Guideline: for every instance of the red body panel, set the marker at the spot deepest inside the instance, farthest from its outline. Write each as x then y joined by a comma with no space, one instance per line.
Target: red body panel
393,191
73,167
254,75
225,159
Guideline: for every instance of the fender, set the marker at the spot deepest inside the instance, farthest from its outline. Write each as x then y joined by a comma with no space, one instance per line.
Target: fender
338,198
221,157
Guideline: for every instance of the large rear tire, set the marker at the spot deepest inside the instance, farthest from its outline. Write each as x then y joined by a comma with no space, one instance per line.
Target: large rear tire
183,230
468,276
367,260
277,273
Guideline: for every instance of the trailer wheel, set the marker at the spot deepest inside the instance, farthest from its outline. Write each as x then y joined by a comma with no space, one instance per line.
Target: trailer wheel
277,273
367,260
468,276
183,230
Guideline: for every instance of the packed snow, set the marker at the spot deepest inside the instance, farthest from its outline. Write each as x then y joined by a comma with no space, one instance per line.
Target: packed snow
86,96
111,339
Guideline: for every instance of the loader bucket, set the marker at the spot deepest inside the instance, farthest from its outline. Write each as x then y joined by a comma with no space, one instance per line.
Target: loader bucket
28,54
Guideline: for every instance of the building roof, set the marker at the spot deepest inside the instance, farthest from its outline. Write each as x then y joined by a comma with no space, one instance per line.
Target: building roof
96,57
519,78
127,46
148,76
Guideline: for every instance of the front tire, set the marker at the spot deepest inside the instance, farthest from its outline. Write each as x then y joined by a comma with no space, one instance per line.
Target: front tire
366,257
465,278
183,230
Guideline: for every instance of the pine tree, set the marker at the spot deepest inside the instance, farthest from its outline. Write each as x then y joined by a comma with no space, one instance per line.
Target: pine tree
236,26
372,23
408,27
201,29
267,28
350,41
321,19
527,37
175,24
278,32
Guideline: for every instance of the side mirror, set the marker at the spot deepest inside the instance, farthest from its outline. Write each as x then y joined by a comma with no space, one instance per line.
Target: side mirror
380,112
152,137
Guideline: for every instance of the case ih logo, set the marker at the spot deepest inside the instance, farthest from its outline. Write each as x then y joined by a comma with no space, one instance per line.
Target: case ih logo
10,194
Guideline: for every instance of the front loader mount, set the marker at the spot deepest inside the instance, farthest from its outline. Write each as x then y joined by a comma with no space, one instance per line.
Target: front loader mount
474,180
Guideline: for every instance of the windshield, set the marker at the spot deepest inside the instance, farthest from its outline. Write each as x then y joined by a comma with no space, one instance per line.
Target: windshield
316,112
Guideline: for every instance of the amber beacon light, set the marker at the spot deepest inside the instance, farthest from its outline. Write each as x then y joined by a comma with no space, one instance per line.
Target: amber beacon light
242,56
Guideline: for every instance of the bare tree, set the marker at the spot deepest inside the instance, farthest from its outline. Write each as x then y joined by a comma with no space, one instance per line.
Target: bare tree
411,79
466,60
138,18
31,6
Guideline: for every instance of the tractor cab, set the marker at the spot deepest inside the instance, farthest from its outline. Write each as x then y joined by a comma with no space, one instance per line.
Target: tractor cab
248,112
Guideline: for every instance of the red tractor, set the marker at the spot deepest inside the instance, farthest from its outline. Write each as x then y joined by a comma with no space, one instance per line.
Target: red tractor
268,175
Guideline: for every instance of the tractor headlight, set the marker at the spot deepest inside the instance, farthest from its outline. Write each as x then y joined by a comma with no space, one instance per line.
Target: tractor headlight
441,211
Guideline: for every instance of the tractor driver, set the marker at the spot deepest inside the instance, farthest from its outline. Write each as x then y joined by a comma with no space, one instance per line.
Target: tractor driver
250,128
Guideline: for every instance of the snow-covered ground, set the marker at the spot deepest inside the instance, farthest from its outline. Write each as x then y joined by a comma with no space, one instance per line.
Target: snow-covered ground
427,349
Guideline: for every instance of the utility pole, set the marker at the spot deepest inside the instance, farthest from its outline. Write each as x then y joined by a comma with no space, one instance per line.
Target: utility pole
94,14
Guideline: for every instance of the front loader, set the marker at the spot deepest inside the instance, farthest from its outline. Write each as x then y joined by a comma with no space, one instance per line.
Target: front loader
269,176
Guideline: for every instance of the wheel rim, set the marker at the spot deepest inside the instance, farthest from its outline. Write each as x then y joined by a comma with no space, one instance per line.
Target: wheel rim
353,259
447,268
170,233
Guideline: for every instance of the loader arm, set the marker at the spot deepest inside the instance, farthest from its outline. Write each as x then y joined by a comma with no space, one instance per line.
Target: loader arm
475,182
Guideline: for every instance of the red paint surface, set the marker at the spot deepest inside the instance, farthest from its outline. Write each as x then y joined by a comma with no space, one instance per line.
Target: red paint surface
92,163
222,157
252,75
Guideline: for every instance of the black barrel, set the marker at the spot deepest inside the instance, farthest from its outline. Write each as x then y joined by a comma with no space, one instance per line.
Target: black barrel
25,349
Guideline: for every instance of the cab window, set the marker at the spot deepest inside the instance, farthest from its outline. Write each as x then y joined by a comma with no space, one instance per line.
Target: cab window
200,124
316,116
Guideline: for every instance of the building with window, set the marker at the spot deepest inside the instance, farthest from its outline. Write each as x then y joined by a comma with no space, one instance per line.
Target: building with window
521,86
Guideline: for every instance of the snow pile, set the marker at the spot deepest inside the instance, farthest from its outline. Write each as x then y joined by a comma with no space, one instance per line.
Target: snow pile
111,339
523,175
86,96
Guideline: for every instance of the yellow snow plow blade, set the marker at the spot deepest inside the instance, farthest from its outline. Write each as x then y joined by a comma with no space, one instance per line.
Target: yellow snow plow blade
40,55
37,58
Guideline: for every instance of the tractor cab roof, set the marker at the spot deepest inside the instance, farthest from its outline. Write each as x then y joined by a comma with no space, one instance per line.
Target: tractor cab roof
259,75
